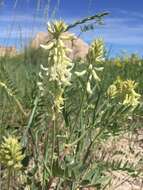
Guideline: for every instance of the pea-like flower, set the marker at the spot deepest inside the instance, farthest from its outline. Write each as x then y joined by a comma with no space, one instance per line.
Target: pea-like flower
11,153
112,91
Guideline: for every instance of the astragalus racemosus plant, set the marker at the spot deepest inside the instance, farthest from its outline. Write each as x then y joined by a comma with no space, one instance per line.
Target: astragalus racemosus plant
73,116
79,117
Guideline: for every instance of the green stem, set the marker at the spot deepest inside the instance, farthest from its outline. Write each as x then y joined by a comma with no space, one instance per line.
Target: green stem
10,93
30,122
53,143
9,179
20,107
81,104
95,108
90,145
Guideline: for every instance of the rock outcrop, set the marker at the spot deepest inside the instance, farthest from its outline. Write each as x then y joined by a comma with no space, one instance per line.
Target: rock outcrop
79,47
7,51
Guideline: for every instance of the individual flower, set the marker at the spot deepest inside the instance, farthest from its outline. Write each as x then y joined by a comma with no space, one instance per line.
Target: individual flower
59,101
11,153
112,91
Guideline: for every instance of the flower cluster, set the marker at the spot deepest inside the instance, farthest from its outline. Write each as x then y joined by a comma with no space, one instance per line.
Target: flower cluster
95,55
124,90
11,153
59,65
96,51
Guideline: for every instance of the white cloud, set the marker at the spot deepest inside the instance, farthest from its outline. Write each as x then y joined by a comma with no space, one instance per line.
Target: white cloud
131,13
21,18
120,31
20,26
123,30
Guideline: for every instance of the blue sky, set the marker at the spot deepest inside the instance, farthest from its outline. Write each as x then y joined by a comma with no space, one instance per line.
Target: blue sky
20,20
